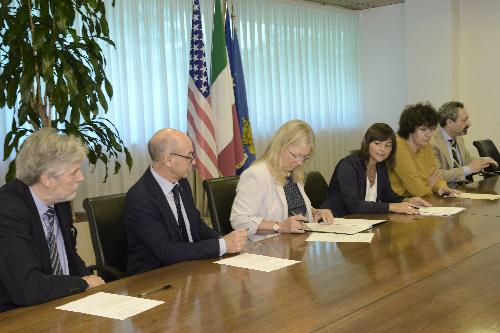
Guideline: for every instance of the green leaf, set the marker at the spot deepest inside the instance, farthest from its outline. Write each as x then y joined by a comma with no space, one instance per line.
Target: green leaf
109,88
12,92
11,173
2,98
44,8
7,145
102,100
11,142
128,158
22,15
92,156
48,59
117,167
38,37
75,115
27,78
60,16
18,136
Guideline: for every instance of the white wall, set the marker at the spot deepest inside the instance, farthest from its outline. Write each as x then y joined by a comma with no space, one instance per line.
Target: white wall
480,66
429,51
435,50
382,64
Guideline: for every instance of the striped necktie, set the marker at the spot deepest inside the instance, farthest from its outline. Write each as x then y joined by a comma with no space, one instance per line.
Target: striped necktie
455,152
49,220
180,217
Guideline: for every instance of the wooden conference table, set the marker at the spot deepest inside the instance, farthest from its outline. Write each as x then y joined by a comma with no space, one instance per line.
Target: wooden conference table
419,274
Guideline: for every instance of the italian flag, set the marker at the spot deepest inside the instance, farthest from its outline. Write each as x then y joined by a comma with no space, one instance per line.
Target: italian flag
227,130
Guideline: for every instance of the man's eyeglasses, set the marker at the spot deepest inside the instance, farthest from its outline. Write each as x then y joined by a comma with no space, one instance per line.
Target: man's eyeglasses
189,157
300,158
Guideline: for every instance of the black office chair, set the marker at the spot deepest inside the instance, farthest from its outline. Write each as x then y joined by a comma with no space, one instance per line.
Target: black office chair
486,148
220,194
316,188
105,215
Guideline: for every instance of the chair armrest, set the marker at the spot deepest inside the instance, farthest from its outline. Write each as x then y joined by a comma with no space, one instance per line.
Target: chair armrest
109,273
92,268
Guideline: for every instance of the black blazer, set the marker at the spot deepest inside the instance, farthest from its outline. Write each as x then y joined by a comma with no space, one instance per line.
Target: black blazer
347,189
154,237
25,271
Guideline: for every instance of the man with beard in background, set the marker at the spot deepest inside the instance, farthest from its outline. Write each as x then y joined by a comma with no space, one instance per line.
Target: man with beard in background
455,162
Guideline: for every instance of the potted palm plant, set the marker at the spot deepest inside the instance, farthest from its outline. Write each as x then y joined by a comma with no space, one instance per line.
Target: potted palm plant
52,75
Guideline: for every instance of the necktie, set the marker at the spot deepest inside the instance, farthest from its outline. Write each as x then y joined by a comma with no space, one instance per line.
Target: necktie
51,238
455,153
180,217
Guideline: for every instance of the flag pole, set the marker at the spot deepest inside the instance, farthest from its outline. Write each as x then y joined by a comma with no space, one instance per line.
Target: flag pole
233,15
224,6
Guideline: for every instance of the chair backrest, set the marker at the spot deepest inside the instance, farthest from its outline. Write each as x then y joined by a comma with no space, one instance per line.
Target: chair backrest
316,188
109,239
220,194
486,148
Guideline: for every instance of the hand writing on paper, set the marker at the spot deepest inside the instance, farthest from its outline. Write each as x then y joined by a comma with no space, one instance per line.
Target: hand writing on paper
293,224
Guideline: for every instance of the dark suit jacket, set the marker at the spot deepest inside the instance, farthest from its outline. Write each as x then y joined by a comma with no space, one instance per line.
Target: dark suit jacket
347,189
154,237
25,271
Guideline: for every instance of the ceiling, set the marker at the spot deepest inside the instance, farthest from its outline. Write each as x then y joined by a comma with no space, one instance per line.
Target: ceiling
358,4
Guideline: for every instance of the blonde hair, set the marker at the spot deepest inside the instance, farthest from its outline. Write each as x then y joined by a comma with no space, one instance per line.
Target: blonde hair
47,151
293,133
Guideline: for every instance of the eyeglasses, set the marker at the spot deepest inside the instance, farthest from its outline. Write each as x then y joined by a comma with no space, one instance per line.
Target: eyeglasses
189,157
300,158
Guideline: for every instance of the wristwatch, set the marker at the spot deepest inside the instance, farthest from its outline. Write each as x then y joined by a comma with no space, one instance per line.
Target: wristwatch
276,227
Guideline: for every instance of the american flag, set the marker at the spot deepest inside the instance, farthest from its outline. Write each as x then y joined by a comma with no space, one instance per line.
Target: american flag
200,118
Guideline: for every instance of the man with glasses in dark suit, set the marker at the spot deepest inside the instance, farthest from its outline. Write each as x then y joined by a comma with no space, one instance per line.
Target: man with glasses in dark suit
162,223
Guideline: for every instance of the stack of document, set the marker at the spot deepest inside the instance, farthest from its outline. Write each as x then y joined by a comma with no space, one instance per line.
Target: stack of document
110,305
343,226
339,220
440,211
257,262
364,237
342,230
335,228
479,196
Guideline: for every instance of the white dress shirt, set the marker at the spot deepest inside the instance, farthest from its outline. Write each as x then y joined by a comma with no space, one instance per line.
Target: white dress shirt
167,187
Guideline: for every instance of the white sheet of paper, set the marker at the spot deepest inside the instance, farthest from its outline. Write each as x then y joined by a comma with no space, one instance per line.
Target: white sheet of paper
256,262
365,237
337,228
369,223
478,196
440,211
110,305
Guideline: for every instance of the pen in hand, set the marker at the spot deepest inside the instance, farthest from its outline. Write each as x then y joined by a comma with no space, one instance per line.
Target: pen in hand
302,223
154,290
304,226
